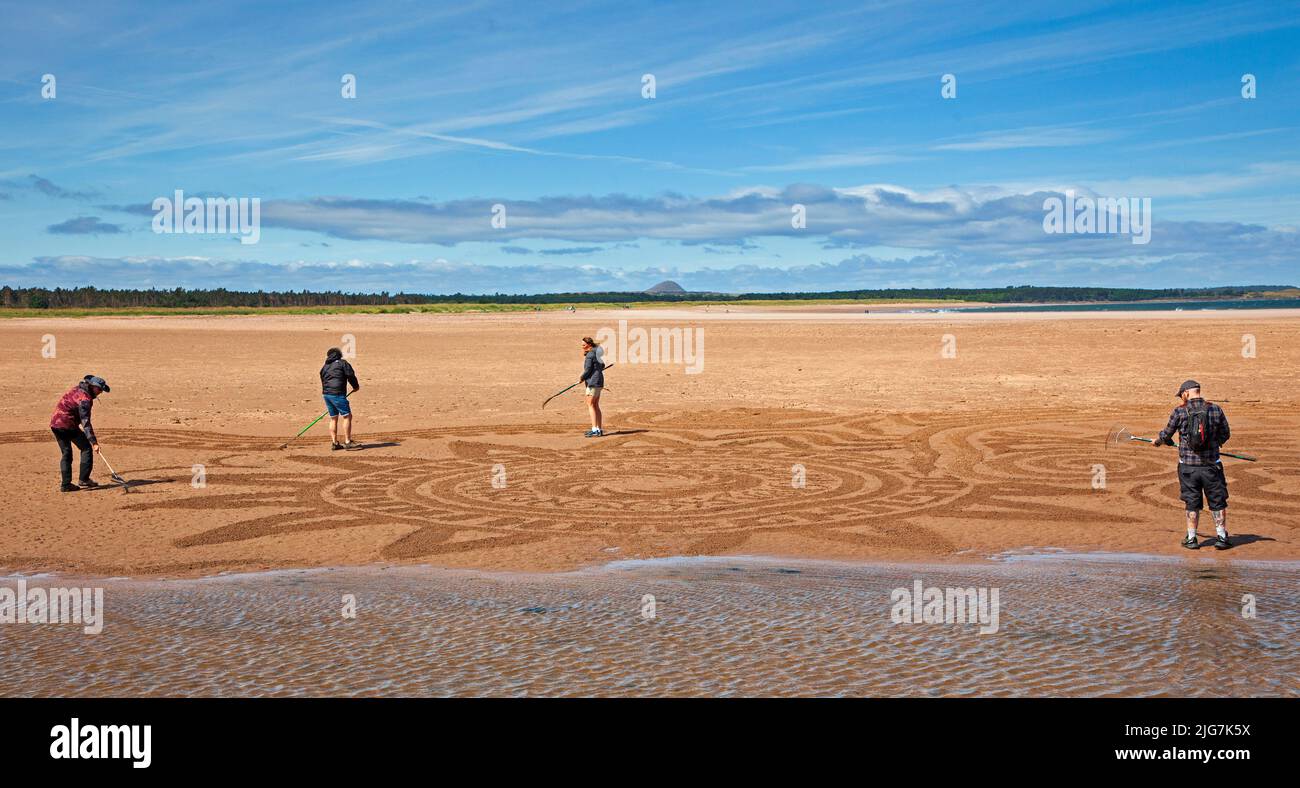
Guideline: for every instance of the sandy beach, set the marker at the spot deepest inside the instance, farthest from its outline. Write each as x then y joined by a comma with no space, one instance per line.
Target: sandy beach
905,452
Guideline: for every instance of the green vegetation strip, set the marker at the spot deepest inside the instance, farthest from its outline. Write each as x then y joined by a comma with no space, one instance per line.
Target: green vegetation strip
92,302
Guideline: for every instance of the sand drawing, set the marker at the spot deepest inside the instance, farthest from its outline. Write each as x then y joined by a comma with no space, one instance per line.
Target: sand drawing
716,481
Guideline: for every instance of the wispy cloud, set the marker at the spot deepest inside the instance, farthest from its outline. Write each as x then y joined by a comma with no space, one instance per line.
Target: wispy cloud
49,188
830,161
758,107
84,225
1037,137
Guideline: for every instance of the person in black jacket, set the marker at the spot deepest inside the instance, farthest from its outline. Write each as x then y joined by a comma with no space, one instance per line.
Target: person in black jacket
593,375
334,379
1202,428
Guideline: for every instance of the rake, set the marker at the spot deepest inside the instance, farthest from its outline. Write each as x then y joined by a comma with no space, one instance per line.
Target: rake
285,445
566,388
112,474
1119,434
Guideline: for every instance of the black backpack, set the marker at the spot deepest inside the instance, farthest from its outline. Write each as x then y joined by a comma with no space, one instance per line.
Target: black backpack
1199,433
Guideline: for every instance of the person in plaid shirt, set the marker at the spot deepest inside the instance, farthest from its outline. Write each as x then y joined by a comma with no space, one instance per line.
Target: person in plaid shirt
1200,473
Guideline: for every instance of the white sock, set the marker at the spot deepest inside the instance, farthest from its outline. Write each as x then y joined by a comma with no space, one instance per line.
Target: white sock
1221,531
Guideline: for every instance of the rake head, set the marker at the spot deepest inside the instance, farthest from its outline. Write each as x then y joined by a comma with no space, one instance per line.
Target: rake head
1117,435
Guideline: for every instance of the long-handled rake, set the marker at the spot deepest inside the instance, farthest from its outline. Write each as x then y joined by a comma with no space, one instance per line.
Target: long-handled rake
112,474
566,388
1118,435
285,445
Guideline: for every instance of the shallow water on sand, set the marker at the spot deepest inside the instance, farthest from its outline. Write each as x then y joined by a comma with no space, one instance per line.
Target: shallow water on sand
1068,625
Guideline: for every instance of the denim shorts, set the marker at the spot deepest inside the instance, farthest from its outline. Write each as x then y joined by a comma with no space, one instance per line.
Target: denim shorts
337,405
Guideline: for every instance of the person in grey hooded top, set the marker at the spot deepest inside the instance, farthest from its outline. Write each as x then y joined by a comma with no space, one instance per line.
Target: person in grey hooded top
593,375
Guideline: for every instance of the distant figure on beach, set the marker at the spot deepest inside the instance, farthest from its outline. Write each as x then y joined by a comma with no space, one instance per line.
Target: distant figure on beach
1202,428
71,427
334,379
593,375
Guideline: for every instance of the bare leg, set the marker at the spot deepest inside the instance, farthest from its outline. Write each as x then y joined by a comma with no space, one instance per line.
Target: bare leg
334,429
347,428
593,405
1221,522
1193,519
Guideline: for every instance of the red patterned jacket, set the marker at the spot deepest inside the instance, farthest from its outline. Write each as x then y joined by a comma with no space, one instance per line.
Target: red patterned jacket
73,411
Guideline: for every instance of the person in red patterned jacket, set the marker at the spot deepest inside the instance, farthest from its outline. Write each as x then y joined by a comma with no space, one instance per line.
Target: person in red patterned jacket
71,426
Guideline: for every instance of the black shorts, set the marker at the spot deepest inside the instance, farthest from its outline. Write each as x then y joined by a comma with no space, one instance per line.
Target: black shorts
1197,480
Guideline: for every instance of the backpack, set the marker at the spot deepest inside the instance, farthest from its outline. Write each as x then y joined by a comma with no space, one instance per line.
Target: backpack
1199,433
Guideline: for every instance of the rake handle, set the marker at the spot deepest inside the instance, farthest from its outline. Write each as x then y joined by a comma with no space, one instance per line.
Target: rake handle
111,473
1245,457
312,424
109,464
546,401
556,394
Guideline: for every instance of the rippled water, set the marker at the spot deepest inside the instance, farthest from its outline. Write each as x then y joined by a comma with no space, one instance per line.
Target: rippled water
1144,306
1069,625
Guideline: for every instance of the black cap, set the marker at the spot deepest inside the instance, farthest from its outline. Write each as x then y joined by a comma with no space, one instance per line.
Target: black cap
95,380
1187,384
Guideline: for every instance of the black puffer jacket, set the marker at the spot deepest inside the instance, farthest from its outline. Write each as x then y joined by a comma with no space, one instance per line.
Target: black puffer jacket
336,375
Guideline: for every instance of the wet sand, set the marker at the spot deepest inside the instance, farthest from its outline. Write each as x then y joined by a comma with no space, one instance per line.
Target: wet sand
1067,625
907,455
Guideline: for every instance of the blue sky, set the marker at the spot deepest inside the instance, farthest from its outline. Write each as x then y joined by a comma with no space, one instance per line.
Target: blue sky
539,107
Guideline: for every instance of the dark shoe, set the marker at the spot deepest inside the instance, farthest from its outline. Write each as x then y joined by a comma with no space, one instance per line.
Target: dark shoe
1221,543
1190,543
69,488
592,434
336,447
88,483
352,445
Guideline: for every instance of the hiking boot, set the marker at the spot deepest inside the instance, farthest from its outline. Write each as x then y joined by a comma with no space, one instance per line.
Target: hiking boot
336,447
69,488
592,434
1190,543
1221,543
88,483
352,445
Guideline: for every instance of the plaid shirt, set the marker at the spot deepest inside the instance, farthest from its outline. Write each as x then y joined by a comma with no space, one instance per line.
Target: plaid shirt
1215,421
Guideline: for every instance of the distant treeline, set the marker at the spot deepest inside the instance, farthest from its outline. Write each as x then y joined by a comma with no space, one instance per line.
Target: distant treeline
95,298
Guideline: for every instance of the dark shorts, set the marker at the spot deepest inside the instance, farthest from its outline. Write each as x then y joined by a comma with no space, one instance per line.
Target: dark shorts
337,405
1195,481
